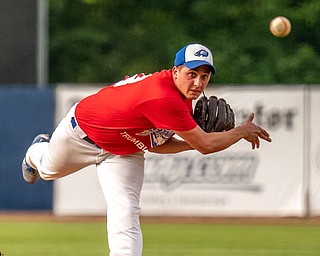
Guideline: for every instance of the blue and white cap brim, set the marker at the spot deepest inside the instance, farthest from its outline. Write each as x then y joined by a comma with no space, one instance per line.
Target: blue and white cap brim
197,63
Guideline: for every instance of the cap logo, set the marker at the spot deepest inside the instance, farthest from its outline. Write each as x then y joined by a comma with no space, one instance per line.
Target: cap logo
201,53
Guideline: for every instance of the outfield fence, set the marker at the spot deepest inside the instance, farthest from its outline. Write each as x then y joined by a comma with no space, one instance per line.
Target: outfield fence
280,179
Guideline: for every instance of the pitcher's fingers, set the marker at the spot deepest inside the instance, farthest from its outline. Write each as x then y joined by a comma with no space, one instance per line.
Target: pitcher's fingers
258,142
264,132
265,135
250,118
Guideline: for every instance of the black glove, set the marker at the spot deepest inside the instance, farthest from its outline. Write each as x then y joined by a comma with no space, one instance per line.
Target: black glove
213,114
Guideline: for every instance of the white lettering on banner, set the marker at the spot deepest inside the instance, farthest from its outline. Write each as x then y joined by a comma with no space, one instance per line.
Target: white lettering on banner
226,171
269,119
156,199
134,140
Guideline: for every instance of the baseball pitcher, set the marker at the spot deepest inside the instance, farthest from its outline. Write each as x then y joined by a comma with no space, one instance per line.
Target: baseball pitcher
115,126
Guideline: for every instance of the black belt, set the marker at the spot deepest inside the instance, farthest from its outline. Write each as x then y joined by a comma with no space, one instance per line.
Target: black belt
75,124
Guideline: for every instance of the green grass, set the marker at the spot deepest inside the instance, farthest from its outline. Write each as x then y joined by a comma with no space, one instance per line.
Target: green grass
222,240
68,238
49,239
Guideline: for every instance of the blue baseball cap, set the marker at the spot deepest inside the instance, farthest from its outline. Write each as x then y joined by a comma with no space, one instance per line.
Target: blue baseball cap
195,55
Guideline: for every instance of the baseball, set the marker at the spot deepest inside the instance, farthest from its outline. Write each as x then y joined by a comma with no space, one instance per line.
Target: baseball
280,26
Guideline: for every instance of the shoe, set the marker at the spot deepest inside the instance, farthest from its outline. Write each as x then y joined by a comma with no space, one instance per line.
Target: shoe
31,175
41,138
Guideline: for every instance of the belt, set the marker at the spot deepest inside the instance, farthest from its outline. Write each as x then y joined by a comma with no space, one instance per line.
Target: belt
74,124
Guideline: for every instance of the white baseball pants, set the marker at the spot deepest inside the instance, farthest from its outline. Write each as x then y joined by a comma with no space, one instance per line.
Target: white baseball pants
121,179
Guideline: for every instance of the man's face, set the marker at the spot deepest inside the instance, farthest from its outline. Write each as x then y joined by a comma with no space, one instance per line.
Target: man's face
191,82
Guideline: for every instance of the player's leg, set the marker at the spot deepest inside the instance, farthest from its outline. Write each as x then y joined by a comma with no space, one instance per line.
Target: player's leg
121,179
66,152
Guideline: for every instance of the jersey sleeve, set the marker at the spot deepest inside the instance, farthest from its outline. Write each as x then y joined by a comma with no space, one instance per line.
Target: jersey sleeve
168,113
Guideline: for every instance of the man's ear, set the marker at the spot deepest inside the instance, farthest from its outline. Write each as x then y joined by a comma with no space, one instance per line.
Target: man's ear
175,71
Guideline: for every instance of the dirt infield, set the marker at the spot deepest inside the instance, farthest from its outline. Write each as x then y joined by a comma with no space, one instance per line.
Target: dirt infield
43,216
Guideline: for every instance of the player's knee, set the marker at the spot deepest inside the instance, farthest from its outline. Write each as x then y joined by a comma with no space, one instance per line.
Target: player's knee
48,175
125,217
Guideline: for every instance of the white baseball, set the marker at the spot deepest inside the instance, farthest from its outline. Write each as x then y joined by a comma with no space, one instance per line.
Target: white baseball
280,26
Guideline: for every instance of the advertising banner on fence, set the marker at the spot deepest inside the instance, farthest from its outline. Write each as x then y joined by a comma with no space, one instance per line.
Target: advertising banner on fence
236,182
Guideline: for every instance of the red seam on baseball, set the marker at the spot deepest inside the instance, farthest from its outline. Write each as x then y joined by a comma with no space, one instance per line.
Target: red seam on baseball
285,24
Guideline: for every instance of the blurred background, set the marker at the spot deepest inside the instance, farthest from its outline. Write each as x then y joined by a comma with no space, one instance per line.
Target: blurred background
58,46
99,41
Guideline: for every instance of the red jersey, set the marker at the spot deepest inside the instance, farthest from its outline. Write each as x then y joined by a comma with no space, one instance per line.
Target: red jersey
137,113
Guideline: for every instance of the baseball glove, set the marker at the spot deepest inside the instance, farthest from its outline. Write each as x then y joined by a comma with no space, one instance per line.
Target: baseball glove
213,114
